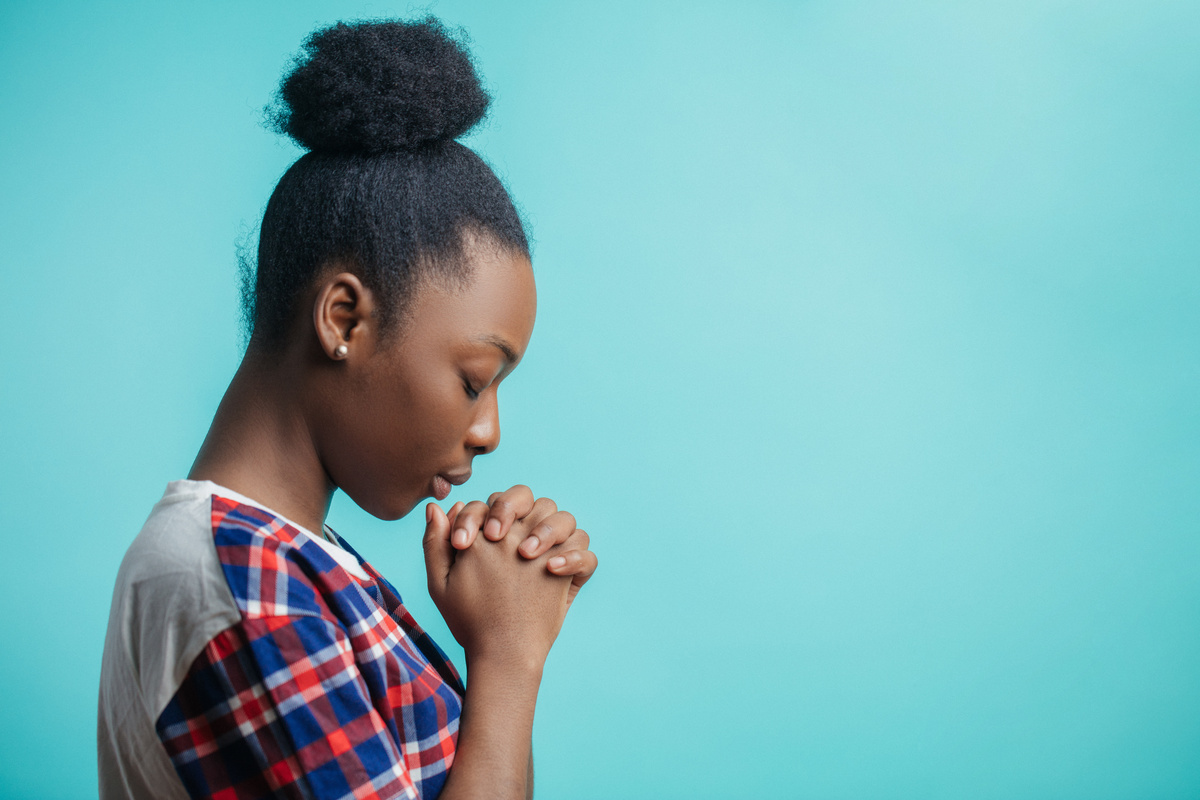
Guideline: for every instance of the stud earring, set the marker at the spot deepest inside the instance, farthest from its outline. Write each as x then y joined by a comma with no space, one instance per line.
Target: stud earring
341,350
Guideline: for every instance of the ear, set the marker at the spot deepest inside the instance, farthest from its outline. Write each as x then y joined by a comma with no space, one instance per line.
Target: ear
342,315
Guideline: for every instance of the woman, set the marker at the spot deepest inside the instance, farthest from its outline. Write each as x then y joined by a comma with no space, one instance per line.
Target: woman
250,651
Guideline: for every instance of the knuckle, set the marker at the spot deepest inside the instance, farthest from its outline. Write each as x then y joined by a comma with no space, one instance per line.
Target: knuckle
587,565
563,528
471,517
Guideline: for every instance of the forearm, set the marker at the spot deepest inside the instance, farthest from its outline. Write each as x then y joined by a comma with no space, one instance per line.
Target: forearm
493,755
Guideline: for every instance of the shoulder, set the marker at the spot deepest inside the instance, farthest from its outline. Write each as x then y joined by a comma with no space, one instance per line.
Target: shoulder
175,540
205,561
172,564
170,598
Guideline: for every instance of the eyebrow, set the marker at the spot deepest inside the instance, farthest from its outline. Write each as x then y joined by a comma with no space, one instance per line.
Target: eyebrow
502,344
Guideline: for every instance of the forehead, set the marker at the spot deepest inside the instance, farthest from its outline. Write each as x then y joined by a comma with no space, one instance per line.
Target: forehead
498,303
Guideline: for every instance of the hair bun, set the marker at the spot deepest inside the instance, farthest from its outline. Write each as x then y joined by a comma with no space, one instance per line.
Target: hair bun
370,87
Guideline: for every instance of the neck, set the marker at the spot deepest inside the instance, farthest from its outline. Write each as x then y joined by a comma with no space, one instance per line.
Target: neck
260,446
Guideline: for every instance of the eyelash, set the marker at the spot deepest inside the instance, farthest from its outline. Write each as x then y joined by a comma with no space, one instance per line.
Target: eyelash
471,393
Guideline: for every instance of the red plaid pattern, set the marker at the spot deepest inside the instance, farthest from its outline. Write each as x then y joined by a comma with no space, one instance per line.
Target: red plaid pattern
326,688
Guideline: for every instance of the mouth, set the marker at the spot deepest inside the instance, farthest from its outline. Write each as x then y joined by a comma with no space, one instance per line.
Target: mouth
442,483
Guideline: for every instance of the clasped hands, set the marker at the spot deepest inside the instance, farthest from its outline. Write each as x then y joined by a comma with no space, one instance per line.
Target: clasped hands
505,596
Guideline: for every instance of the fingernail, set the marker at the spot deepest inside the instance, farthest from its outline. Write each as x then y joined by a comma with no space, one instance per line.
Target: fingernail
556,562
492,529
428,514
530,545
460,537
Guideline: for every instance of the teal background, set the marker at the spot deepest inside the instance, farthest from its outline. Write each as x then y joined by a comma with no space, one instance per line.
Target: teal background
868,352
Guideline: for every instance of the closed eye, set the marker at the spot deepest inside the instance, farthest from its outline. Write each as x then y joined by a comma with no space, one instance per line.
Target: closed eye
471,392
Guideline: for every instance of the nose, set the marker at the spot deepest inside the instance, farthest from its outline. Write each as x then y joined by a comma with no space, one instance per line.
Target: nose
484,434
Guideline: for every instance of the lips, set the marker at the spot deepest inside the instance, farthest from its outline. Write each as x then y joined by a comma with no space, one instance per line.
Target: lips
441,488
443,482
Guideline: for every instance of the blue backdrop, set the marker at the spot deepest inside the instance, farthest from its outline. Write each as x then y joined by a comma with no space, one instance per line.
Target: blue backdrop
869,353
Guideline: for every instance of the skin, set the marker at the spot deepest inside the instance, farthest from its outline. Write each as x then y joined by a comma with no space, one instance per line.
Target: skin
379,420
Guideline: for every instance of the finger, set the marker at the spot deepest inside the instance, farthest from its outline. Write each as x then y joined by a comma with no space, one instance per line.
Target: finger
542,508
579,564
466,524
452,514
573,558
505,508
554,529
439,555
579,540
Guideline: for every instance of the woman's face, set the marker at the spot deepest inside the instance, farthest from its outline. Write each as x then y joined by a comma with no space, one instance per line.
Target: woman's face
410,412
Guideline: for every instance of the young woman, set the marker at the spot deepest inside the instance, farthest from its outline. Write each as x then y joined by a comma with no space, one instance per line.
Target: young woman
251,652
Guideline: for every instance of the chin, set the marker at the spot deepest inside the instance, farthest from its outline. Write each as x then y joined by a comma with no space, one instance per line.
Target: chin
396,512
388,509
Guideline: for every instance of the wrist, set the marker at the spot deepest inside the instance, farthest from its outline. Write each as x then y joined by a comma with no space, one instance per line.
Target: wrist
495,729
518,668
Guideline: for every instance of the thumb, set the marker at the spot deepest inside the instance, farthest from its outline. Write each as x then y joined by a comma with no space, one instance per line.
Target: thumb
439,554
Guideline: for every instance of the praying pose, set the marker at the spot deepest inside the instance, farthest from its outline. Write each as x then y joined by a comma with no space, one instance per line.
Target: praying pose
251,651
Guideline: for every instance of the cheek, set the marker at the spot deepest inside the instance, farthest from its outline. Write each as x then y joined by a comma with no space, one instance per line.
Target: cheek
409,433
431,423
397,437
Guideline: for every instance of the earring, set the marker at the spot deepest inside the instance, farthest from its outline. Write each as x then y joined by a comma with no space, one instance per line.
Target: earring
340,351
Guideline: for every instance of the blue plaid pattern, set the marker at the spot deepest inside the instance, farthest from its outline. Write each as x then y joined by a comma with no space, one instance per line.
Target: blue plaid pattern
327,688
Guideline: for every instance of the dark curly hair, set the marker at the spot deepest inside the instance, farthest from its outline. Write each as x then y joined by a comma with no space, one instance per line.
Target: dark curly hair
385,188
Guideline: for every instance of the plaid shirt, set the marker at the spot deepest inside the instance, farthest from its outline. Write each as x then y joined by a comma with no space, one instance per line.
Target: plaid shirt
327,688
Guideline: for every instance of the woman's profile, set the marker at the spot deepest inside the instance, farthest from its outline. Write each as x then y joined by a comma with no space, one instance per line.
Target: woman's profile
251,652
